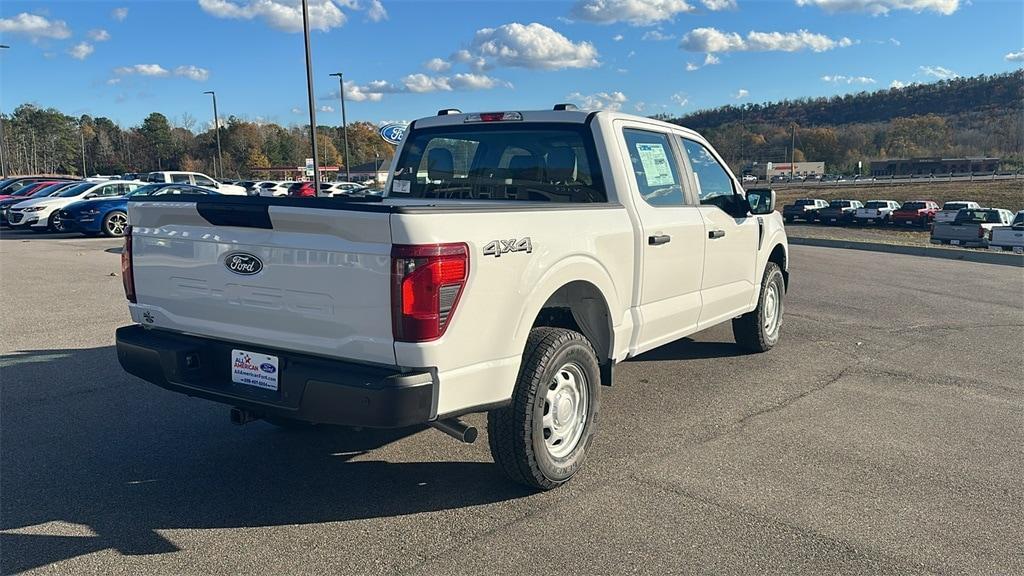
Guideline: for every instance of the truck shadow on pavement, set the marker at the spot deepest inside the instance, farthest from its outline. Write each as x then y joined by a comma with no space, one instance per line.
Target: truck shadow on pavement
94,459
690,349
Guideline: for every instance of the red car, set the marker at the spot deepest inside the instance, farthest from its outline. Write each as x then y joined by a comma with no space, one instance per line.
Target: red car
915,213
28,189
302,189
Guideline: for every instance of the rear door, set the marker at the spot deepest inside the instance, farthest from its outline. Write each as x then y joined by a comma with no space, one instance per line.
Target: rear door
730,251
671,236
311,280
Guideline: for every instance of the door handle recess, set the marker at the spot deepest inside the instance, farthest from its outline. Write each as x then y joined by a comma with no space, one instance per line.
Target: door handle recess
659,239
716,234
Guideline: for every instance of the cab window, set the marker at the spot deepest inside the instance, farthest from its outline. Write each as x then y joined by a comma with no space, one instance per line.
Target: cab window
180,178
714,185
203,181
655,169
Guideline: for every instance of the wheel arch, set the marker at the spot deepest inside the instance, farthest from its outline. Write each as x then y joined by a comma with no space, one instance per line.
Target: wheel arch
780,256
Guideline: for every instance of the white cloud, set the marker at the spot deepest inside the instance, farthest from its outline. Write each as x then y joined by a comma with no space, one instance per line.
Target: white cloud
296,110
938,72
618,38
375,90
326,108
192,73
376,11
530,46
119,14
741,94
640,106
657,36
283,15
716,5
897,84
680,99
35,26
713,40
710,59
437,65
635,12
612,101
81,51
882,7
99,35
113,81
1015,56
142,70
477,82
841,79
477,63
895,42
690,67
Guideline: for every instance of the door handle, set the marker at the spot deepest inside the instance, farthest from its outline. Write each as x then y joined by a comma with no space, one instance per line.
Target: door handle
716,234
659,239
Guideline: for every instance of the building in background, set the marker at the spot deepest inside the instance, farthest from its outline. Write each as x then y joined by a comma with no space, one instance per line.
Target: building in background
772,169
925,166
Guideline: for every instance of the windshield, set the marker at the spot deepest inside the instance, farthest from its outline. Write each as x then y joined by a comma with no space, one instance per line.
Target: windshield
954,205
877,204
500,161
980,216
145,190
914,206
76,190
1018,220
48,190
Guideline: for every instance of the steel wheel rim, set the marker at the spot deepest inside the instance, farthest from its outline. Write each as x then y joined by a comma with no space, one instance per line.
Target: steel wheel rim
772,304
57,225
117,223
566,402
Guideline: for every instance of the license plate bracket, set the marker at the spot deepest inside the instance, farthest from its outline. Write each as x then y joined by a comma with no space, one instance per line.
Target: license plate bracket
255,369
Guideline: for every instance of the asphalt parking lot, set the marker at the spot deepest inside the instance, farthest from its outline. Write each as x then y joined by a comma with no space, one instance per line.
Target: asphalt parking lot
884,435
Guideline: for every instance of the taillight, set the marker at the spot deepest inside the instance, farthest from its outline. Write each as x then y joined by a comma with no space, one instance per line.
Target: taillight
426,283
127,276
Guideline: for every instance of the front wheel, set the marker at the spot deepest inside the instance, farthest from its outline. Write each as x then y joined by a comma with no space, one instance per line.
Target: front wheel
542,437
758,330
115,224
54,224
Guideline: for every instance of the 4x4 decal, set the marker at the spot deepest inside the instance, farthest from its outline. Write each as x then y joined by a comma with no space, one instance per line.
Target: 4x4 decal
498,247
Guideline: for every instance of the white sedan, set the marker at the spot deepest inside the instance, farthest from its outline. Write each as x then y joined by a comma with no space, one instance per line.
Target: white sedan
40,214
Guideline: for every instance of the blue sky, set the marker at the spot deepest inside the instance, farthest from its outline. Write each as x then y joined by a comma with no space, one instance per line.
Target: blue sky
403,59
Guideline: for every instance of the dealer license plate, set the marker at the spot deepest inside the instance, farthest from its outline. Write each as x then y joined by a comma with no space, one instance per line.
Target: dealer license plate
254,369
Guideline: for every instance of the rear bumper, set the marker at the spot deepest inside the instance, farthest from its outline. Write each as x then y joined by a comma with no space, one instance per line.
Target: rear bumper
311,389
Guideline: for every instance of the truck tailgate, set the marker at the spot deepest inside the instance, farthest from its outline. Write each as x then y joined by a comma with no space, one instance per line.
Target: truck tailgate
313,280
967,232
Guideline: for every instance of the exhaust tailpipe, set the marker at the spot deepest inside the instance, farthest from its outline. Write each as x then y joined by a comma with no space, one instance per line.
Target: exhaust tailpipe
456,429
241,416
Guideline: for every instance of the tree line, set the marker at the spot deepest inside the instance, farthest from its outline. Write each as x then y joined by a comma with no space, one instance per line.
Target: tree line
47,141
977,116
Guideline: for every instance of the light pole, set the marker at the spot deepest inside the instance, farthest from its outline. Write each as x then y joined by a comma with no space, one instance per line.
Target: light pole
216,126
309,94
81,132
344,124
3,139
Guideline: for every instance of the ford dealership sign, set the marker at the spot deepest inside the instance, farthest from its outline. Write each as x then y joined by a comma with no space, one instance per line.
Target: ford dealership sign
392,133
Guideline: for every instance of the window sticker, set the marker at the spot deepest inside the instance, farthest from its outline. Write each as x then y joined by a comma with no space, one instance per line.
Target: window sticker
654,159
400,186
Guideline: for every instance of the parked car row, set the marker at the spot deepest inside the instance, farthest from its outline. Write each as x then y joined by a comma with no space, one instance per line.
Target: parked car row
957,223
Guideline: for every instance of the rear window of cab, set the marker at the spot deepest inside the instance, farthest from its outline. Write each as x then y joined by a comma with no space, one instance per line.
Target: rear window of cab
535,162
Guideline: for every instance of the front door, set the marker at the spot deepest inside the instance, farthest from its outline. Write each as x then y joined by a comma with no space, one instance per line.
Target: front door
670,239
728,288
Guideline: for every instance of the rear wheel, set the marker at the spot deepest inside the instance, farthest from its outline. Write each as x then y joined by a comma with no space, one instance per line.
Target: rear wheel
758,330
115,224
541,438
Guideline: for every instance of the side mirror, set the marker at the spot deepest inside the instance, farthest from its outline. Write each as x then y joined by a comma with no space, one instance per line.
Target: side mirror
761,200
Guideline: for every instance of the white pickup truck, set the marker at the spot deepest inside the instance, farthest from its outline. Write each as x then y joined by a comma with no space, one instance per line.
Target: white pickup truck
516,258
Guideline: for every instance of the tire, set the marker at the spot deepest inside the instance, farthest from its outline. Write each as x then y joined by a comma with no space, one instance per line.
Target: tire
54,224
758,330
114,224
559,373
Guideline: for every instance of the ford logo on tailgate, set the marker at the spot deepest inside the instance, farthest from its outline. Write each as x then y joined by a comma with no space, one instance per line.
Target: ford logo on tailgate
243,263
